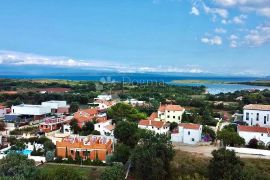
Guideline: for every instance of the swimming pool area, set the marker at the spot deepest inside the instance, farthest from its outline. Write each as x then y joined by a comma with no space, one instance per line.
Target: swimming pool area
26,152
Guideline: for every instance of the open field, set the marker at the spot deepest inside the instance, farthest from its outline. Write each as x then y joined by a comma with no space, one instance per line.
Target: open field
194,166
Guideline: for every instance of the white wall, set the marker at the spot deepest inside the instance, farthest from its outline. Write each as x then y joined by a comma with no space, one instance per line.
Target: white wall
30,109
101,127
253,117
187,136
2,112
171,116
259,136
162,130
54,104
250,151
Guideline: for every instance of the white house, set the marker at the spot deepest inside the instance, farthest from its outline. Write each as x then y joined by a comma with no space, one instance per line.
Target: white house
187,133
170,113
159,127
103,104
32,110
105,127
134,102
257,114
3,111
105,97
56,106
262,134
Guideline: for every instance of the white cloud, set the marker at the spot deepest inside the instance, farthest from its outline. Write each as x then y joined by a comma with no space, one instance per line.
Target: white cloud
216,11
258,36
220,30
239,19
216,40
22,59
195,11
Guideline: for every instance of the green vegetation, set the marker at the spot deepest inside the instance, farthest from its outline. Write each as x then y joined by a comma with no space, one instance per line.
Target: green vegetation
30,130
114,172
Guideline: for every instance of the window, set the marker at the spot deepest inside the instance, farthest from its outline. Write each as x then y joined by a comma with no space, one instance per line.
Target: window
168,111
158,128
99,126
179,117
173,117
168,116
188,132
261,134
71,151
257,117
247,116
192,139
267,117
264,119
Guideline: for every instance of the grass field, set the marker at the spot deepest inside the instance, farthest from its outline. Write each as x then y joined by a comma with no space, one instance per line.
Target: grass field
194,166
87,173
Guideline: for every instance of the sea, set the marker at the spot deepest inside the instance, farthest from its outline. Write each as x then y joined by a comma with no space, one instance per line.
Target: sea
132,78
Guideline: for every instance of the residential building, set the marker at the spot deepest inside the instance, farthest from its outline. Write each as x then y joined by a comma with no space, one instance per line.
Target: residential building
103,104
37,111
85,115
54,90
60,107
134,102
187,133
52,123
171,113
3,111
257,114
105,97
159,127
91,147
262,134
105,127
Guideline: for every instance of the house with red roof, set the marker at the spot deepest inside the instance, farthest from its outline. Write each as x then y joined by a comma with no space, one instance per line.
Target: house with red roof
262,134
170,113
187,133
257,115
85,115
105,127
159,127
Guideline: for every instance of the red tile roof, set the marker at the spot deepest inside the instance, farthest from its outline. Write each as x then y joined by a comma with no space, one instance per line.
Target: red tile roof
110,127
257,107
254,129
190,126
153,116
85,114
170,107
157,124
8,92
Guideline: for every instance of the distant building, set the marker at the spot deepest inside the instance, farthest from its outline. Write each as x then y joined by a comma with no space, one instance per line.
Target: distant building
262,134
257,114
159,127
134,102
60,107
54,90
3,111
52,124
85,115
170,113
187,133
103,104
105,97
87,147
37,111
105,127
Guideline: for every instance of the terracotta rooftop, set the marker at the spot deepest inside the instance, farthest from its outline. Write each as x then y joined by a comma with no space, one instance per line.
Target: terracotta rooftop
157,124
190,126
257,107
8,92
108,103
170,107
254,129
110,127
153,116
85,114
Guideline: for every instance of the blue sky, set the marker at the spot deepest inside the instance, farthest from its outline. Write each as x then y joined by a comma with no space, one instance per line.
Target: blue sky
180,36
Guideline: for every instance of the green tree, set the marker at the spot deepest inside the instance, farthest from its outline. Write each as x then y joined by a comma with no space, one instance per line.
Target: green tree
58,173
123,111
49,145
208,131
230,138
2,125
253,143
125,132
74,126
17,166
87,128
121,153
173,125
225,165
114,172
74,106
151,157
